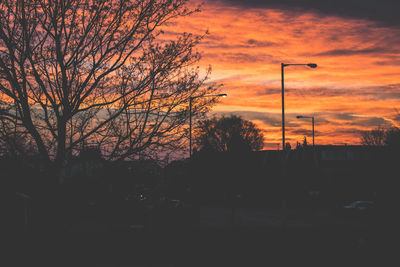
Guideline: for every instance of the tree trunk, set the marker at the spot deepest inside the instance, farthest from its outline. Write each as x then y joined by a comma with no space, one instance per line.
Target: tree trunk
27,121
60,156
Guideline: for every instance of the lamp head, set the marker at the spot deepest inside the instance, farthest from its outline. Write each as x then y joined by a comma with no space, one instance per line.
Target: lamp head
312,65
299,117
223,95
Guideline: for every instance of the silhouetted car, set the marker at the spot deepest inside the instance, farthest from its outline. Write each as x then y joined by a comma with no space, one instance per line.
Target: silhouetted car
176,203
359,207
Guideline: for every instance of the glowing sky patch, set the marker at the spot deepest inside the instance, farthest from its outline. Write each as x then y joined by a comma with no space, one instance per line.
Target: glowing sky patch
355,87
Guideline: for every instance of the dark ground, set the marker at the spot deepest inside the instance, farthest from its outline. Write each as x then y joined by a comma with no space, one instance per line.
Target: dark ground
323,242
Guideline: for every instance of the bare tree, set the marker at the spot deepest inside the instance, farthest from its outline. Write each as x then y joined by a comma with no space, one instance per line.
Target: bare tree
375,137
389,137
74,72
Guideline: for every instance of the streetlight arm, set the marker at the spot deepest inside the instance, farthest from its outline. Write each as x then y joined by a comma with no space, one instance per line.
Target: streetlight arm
304,117
293,64
311,65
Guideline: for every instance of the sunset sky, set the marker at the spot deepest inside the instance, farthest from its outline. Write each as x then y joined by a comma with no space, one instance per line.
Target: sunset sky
356,45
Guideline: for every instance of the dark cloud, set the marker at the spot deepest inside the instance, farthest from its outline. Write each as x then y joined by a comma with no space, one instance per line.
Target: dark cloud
395,62
261,44
302,132
383,92
373,122
241,57
345,116
268,91
349,132
352,52
381,11
356,120
369,122
247,45
270,119
316,92
343,119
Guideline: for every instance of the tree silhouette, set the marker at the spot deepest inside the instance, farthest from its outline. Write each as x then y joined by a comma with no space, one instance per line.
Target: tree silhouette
374,137
305,144
97,72
392,137
228,134
389,137
288,146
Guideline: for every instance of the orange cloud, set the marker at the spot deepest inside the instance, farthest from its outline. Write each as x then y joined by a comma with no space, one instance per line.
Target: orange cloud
355,87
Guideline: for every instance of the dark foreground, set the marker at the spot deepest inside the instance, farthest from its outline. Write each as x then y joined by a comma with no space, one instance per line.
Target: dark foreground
200,245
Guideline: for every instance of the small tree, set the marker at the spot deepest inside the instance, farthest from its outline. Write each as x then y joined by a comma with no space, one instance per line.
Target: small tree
228,134
288,146
305,144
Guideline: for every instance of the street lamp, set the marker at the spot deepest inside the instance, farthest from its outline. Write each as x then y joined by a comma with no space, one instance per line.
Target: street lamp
283,65
190,117
284,207
312,120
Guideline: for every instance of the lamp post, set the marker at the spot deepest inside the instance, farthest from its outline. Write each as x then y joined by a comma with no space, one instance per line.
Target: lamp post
284,207
312,120
283,65
190,117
